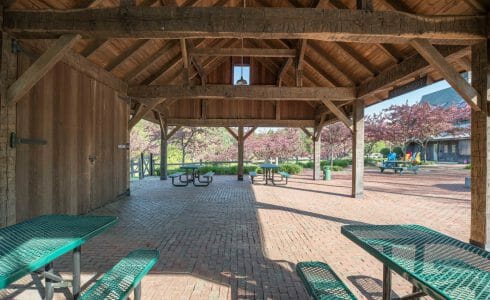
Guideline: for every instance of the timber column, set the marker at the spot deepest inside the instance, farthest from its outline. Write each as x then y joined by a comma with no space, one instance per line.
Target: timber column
317,170
8,119
163,151
480,194
241,142
358,149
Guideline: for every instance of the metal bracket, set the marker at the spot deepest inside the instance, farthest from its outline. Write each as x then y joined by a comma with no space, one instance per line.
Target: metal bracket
123,146
15,140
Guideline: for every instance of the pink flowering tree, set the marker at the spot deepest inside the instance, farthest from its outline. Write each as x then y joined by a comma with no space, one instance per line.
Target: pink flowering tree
336,140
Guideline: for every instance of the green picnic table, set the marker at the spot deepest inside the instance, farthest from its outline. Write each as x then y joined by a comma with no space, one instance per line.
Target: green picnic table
33,244
436,264
269,171
192,169
399,166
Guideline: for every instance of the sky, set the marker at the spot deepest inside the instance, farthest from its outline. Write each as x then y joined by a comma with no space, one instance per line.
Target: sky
412,97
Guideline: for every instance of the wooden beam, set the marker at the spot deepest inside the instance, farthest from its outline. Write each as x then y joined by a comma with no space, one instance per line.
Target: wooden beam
476,4
240,122
197,65
241,150
257,23
232,133
141,113
86,67
465,63
185,61
480,147
8,124
238,52
409,68
92,47
317,143
438,62
283,71
173,131
242,92
358,150
249,133
307,132
40,67
338,113
299,61
364,4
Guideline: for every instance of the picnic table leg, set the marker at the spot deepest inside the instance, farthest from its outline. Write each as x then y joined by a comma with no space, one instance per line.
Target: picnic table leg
48,289
386,283
76,272
137,292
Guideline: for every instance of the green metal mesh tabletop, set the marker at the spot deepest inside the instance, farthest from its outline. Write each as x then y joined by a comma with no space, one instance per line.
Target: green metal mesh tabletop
30,245
441,266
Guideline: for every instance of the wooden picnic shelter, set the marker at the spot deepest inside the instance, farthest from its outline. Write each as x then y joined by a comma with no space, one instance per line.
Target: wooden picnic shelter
77,75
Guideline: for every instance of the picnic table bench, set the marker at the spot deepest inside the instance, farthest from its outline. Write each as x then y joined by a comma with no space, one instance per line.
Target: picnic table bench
436,264
208,178
34,244
179,176
284,175
399,166
124,277
252,176
321,282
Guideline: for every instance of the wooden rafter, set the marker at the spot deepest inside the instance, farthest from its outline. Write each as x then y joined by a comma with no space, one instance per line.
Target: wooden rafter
185,61
355,56
219,22
254,92
409,68
197,65
232,133
126,54
391,52
332,62
141,113
438,62
249,133
283,71
307,132
338,113
151,60
40,67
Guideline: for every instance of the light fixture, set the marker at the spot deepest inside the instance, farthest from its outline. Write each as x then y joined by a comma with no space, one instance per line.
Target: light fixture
242,80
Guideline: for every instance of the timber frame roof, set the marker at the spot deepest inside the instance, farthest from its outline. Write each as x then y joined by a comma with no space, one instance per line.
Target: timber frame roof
310,59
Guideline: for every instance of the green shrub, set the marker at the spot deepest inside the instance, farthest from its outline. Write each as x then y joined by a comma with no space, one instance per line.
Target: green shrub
337,168
291,168
398,151
307,165
385,152
467,167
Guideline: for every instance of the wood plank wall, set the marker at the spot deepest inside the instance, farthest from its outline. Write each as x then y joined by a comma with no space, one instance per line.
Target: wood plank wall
79,118
226,109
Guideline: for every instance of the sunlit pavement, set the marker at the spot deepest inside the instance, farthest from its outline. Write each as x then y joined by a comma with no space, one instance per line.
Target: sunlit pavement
234,240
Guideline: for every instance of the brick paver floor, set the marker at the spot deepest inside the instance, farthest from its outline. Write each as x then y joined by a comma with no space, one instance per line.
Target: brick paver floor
234,240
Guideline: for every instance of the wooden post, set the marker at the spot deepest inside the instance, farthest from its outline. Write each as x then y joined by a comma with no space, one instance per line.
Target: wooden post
152,166
317,170
8,121
163,150
358,150
241,142
480,160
